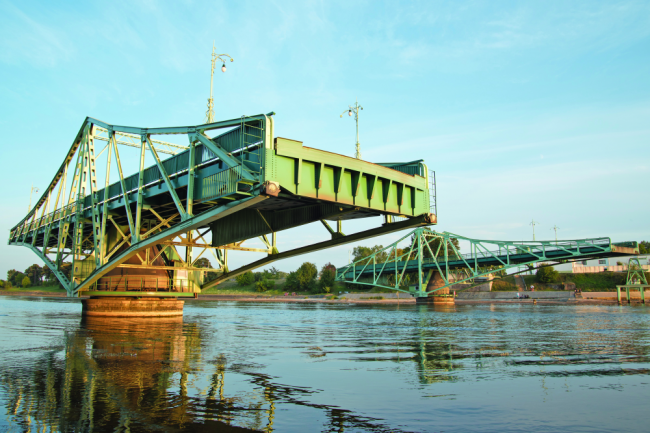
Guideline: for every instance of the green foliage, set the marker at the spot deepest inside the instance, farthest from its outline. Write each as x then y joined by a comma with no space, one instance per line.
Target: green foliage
2,284
269,274
35,274
506,284
303,279
437,248
25,282
644,247
327,277
205,263
361,252
547,274
264,285
245,279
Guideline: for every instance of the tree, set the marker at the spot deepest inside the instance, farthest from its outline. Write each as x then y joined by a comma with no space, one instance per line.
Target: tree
48,275
644,247
435,245
360,252
327,277
306,275
26,282
245,279
547,274
35,274
15,277
205,263
304,278
2,284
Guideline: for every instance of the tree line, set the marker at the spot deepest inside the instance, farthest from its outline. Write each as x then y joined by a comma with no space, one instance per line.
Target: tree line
34,276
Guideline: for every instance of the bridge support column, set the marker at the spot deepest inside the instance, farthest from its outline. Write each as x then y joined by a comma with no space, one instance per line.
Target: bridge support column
441,297
124,306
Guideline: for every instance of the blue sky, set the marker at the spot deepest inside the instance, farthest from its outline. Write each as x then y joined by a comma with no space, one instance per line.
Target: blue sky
524,109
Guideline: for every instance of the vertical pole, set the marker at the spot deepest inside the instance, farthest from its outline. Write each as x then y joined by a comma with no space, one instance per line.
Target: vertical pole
419,235
618,293
103,245
190,179
138,211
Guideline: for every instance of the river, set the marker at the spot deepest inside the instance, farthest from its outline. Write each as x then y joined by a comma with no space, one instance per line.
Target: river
289,367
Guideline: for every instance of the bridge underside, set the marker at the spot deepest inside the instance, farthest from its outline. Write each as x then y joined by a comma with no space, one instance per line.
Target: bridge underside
145,233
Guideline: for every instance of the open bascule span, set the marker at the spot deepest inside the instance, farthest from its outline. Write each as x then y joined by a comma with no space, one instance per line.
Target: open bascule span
132,246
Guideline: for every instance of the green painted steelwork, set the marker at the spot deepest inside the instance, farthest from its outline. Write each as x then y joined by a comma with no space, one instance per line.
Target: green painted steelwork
234,181
410,269
636,280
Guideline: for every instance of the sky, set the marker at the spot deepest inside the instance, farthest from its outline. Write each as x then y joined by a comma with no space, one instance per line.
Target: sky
525,110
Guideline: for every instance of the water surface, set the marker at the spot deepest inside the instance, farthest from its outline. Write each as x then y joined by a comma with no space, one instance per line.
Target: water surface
230,366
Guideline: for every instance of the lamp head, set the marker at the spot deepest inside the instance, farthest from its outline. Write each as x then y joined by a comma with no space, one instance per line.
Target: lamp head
223,68
350,113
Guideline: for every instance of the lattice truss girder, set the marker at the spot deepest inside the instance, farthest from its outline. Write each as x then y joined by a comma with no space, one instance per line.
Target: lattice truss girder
410,269
71,220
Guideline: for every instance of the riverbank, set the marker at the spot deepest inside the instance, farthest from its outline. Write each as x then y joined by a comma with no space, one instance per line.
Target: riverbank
467,298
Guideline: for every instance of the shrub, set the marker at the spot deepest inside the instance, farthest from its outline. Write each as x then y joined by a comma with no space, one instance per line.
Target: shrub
547,274
264,285
291,282
25,282
245,279
2,284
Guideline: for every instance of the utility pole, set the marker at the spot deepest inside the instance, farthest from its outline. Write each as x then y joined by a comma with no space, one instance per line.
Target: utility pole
555,227
533,223
209,115
355,109
34,189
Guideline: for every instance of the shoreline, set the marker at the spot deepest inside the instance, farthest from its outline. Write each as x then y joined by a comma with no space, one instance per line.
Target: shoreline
598,298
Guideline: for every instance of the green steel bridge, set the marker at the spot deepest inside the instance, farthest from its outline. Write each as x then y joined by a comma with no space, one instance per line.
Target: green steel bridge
142,234
432,263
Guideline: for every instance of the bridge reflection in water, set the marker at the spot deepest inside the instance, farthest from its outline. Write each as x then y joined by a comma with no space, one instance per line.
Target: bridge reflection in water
135,374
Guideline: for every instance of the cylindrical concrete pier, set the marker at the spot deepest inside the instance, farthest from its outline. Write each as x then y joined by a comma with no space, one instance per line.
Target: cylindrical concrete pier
441,296
124,306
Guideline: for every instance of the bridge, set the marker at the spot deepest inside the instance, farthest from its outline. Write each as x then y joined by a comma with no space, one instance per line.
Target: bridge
432,263
222,184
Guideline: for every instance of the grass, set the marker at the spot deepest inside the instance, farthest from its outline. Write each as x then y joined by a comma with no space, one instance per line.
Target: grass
48,289
596,282
231,288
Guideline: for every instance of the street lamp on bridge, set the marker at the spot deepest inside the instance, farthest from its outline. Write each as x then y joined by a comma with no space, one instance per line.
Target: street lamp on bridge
533,223
354,109
33,190
209,115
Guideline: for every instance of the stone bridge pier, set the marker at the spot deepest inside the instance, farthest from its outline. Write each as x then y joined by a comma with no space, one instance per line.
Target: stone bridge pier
441,297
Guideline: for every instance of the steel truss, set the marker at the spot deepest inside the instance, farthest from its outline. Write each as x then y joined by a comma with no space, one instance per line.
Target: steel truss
410,270
62,232
143,221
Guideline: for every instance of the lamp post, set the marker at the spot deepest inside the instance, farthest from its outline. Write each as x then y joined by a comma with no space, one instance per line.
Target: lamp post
209,115
34,189
555,227
533,223
354,109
